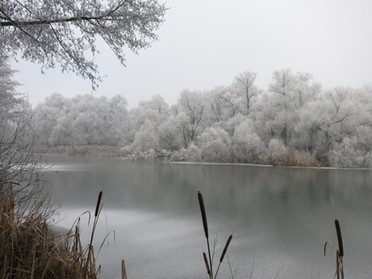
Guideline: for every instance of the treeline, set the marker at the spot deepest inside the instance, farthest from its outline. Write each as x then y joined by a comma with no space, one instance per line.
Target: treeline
293,122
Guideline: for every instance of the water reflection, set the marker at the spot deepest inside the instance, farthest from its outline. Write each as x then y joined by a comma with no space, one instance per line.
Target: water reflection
280,217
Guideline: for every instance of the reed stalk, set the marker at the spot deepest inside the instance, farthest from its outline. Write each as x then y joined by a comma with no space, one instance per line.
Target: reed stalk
339,252
209,261
30,250
339,274
95,221
123,270
223,254
205,227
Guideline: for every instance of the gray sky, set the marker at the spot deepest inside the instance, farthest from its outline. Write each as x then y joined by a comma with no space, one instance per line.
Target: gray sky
206,43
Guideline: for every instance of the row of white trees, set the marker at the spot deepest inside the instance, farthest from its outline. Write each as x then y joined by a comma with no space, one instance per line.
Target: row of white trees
294,122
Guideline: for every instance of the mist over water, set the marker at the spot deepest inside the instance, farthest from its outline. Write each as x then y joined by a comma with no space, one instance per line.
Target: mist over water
280,217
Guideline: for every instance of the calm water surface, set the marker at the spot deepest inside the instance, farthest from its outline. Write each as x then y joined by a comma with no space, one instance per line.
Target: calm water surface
280,217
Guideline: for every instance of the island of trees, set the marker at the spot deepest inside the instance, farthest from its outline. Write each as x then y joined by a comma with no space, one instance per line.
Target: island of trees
294,122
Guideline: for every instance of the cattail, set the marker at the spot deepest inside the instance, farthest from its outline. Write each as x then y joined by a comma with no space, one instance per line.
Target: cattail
225,248
98,204
339,238
123,270
204,214
206,263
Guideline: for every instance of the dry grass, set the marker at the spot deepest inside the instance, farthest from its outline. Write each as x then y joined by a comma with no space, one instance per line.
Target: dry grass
29,250
81,150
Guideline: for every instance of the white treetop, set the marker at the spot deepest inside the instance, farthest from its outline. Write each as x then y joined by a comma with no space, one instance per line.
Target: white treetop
65,32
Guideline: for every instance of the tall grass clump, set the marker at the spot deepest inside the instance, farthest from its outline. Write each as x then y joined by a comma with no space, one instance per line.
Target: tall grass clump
208,260
30,250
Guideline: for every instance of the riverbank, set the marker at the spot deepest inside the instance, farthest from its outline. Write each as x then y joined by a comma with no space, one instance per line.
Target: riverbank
82,150
290,160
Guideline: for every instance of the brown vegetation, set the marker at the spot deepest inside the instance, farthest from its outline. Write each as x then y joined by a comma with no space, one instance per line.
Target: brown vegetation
29,249
82,150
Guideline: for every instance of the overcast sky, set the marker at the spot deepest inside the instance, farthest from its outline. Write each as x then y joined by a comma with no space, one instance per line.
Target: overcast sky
206,43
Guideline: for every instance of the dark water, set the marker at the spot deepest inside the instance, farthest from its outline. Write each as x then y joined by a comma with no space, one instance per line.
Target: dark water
280,217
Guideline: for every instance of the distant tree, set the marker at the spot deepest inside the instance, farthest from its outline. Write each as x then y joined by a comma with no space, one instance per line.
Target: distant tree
334,115
117,122
169,136
156,109
282,87
192,115
247,145
146,138
215,145
275,153
82,120
46,120
190,154
244,84
349,154
63,31
305,89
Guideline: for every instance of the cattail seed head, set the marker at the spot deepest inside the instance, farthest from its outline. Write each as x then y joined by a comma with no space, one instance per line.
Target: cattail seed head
225,248
339,238
204,214
206,263
98,204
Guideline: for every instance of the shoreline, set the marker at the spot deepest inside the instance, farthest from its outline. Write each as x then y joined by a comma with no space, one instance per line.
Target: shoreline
125,158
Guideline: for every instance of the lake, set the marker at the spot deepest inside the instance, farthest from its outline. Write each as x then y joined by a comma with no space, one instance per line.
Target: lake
280,218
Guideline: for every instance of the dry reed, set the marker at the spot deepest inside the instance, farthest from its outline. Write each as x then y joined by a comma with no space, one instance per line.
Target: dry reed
339,274
30,250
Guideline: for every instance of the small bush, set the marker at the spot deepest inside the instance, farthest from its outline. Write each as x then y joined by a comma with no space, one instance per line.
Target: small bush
301,158
275,153
190,154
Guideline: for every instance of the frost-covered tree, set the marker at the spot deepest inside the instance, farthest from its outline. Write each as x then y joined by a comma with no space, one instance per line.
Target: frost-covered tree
190,154
215,145
247,145
244,84
275,153
82,120
349,154
170,137
146,138
17,164
65,32
305,89
8,93
282,98
223,103
192,115
46,120
117,122
156,110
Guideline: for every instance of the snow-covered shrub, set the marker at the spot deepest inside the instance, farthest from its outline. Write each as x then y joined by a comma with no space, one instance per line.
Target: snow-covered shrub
170,137
147,155
190,154
247,145
348,154
146,138
215,145
275,153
